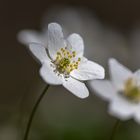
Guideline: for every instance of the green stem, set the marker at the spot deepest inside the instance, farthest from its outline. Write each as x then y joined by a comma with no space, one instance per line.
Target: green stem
114,130
33,113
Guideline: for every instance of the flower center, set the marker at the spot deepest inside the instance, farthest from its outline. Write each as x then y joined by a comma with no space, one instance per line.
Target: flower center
66,61
132,90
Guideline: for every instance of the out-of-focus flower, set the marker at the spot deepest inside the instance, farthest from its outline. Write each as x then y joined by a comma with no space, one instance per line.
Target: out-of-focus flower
28,36
63,62
122,92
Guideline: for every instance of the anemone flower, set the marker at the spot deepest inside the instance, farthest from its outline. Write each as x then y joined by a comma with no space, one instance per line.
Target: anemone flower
63,62
122,91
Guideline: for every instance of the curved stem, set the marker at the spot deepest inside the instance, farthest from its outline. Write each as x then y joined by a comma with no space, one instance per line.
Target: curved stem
114,130
33,113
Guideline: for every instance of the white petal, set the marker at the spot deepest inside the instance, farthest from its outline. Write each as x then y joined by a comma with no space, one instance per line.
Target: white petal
121,108
88,70
76,44
137,118
103,88
76,87
137,77
118,73
29,36
55,39
49,76
39,51
137,73
137,114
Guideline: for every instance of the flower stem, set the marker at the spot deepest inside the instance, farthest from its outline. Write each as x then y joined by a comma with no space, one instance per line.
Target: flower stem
115,128
33,113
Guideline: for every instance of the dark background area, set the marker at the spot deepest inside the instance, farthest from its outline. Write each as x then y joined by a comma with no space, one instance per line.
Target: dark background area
19,72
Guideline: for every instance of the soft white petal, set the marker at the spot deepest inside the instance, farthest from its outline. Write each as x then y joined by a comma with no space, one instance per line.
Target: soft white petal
103,88
48,75
76,44
137,114
39,51
137,77
137,73
29,36
55,39
122,108
137,118
118,73
76,87
88,70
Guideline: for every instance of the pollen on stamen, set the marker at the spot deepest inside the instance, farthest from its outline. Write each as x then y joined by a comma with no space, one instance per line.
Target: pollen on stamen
61,49
58,53
64,62
79,59
131,90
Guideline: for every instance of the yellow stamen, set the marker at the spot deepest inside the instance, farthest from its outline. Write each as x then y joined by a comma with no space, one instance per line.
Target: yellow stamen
132,90
64,61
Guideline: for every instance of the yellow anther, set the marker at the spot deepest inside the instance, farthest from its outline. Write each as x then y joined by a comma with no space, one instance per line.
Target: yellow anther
71,65
79,59
71,69
58,53
57,57
64,61
73,52
62,49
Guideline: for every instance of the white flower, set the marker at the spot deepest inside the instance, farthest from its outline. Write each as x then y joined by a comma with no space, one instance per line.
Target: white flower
63,62
122,92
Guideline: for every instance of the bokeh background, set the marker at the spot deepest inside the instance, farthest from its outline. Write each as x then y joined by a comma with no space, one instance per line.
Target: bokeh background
109,28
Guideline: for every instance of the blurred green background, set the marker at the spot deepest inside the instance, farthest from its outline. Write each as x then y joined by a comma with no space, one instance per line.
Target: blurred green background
109,28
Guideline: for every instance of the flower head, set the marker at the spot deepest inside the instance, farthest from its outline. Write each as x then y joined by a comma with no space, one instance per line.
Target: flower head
63,62
122,91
